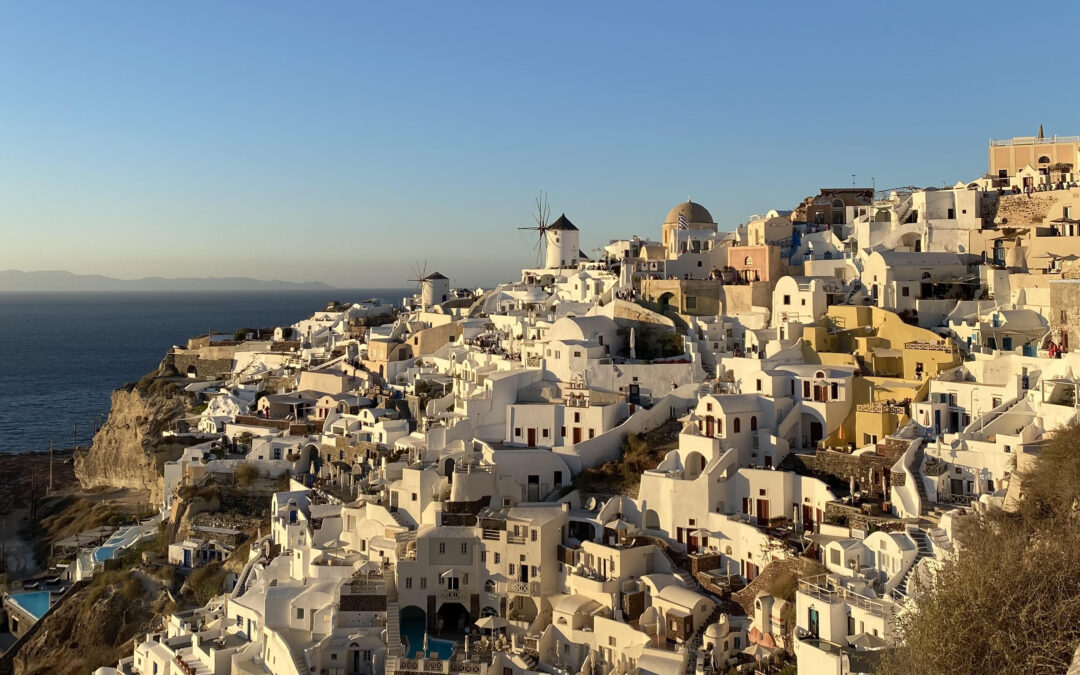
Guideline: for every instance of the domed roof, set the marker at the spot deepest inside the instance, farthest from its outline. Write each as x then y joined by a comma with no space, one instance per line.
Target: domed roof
693,212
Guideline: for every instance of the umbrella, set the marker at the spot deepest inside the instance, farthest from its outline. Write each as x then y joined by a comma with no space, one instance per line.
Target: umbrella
757,652
866,641
491,622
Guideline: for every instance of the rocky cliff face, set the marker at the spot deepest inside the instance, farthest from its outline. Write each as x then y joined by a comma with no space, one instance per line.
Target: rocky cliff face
94,626
129,451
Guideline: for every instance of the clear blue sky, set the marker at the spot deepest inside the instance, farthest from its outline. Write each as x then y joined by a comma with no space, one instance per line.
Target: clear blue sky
343,141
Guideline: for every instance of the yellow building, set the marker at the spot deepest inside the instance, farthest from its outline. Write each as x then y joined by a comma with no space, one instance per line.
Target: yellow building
896,361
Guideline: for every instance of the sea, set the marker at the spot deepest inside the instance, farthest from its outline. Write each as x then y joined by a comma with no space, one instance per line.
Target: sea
63,354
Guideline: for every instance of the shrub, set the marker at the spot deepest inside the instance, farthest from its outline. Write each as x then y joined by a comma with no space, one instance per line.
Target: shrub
246,474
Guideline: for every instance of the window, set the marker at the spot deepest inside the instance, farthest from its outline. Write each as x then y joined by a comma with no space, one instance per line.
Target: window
787,299
299,612
691,302
532,535
735,425
905,291
759,385
512,569
834,557
753,423
577,355
483,556
806,388
577,417
497,558
517,432
749,261
414,496
464,547
951,214
423,583
708,407
592,433
442,547
544,433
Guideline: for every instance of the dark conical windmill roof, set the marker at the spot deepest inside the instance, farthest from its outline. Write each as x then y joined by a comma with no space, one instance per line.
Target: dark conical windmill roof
563,223
434,275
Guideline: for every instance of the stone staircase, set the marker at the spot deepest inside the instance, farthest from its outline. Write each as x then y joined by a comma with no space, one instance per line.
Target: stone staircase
920,487
393,615
923,550
697,639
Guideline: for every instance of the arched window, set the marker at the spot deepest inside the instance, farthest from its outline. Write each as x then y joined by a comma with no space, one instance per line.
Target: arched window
1044,160
753,423
749,262
735,425
838,203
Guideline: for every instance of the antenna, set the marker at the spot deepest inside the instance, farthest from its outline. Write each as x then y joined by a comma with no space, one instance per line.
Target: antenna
543,213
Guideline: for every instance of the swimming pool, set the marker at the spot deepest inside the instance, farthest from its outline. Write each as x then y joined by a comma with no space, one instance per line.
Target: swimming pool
35,603
412,631
103,553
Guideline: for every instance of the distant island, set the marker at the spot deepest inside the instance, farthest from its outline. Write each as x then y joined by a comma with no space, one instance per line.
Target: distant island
15,281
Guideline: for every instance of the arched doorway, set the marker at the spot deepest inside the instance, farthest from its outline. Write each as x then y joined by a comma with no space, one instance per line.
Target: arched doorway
413,625
665,301
452,620
448,470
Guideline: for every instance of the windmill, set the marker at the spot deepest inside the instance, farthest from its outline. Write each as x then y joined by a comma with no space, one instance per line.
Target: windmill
420,274
541,218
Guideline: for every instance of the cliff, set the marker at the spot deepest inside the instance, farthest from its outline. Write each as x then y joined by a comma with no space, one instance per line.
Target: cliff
129,451
95,625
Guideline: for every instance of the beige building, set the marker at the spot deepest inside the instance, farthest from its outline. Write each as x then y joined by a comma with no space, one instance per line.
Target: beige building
1055,158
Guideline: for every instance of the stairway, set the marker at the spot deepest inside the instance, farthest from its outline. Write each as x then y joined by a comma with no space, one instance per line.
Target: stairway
920,487
393,616
923,550
695,642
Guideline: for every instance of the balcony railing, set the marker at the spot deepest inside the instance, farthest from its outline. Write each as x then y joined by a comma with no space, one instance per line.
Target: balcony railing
832,593
881,408
522,587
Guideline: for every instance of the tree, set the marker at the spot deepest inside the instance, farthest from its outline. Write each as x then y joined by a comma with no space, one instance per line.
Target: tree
1009,600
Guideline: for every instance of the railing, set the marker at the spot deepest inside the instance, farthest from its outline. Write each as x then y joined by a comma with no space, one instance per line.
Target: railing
451,594
839,593
514,539
524,587
463,667
1032,140
931,347
880,408
491,535
958,500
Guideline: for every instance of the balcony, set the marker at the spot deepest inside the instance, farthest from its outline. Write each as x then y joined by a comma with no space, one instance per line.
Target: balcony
823,588
523,587
453,595
880,408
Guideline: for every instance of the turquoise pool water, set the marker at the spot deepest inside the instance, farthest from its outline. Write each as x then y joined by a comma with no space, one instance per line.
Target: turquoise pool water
103,553
35,604
412,631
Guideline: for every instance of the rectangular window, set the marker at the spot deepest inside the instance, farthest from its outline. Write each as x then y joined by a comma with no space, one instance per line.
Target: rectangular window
464,547
787,299
806,388
299,612
512,569
835,390
442,547
408,582
905,291
691,303
423,583
577,417
498,558
759,385
533,535
951,214
517,432
483,556
544,433
592,433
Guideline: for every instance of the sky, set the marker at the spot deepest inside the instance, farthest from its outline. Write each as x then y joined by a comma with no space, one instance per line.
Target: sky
346,142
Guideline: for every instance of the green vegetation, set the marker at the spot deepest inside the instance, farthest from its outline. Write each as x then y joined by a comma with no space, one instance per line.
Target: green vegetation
640,452
246,474
206,582
1010,601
